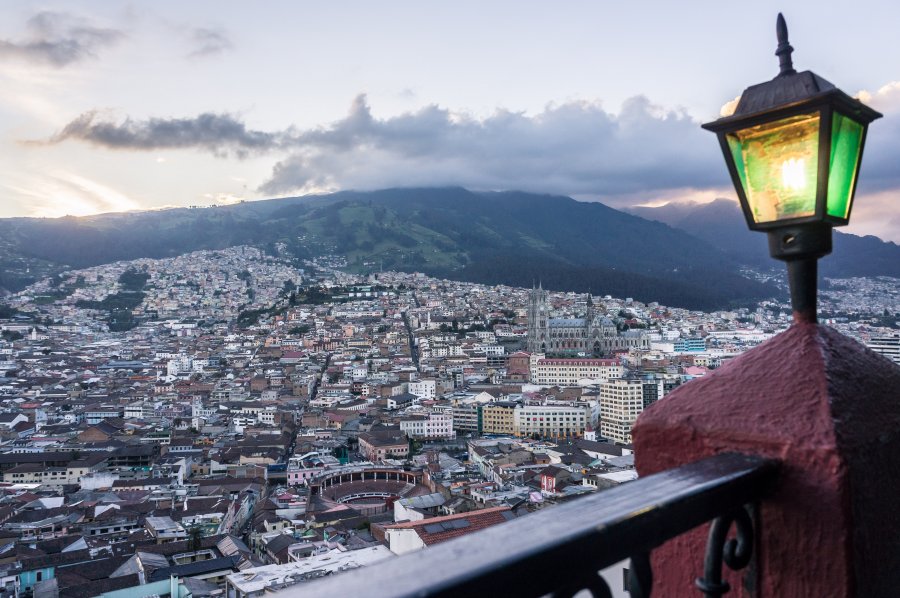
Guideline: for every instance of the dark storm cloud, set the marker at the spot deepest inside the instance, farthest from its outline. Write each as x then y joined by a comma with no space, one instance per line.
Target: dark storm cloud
58,39
209,41
221,134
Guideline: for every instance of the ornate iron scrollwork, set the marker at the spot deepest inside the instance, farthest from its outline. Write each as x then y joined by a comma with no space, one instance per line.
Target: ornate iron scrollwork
736,552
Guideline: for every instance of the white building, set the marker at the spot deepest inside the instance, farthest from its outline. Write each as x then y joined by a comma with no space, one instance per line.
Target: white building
182,364
424,389
489,349
433,426
569,372
887,345
621,401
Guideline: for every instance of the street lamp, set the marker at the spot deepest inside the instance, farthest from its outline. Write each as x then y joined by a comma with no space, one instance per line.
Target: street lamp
793,148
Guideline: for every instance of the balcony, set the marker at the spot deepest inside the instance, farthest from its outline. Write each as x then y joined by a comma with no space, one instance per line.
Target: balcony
773,476
560,550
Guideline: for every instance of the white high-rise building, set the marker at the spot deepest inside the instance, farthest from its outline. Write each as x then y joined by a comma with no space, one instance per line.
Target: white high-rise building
887,345
621,401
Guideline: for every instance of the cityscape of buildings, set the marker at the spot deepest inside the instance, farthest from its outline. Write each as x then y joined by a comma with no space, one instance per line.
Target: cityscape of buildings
231,423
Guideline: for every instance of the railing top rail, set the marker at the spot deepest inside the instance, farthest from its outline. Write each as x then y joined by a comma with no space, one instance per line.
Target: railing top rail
588,533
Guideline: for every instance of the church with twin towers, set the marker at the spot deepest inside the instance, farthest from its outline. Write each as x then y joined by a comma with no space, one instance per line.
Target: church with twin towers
593,335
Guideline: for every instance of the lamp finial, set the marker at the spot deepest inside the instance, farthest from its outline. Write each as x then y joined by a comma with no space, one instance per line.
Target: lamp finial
784,48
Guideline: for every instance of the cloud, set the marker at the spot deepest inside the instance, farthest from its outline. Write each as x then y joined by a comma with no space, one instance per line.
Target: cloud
886,99
220,134
209,41
876,214
574,148
58,39
729,107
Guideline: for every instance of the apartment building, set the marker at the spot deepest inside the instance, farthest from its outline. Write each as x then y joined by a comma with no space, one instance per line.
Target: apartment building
621,401
549,420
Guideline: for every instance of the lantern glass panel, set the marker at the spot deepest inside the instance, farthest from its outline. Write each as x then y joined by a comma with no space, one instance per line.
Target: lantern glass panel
846,141
778,164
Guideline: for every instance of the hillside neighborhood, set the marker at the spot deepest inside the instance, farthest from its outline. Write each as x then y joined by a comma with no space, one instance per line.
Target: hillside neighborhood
235,423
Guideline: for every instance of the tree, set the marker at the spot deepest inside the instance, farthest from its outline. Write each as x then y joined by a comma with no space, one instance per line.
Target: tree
133,280
7,311
195,537
415,447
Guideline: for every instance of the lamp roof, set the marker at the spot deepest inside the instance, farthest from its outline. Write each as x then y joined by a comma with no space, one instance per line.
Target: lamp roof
781,91
790,88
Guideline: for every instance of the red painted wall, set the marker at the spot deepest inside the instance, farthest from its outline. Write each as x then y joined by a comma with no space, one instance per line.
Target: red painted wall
829,409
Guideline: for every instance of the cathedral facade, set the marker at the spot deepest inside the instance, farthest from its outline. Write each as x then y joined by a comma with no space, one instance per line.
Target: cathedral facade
594,335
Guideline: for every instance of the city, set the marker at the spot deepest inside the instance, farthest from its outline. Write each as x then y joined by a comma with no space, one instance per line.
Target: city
405,300
345,422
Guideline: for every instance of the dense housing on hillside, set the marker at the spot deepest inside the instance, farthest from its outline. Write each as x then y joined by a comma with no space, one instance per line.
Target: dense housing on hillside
317,423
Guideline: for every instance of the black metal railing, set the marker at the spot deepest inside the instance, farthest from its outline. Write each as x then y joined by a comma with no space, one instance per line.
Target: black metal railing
559,551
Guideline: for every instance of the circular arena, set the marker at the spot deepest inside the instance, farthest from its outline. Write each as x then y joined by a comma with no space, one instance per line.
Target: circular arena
367,489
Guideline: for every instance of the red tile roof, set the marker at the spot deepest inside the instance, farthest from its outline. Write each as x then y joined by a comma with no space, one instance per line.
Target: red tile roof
477,520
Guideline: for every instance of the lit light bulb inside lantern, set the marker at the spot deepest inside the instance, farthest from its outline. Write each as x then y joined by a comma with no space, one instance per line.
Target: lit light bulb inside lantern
793,174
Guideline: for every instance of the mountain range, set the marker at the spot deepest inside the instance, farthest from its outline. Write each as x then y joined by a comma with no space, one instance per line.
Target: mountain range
488,237
722,224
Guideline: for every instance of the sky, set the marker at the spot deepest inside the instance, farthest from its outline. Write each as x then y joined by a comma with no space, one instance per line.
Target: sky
110,106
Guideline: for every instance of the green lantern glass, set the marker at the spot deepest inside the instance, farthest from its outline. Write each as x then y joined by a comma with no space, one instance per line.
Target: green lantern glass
777,163
846,143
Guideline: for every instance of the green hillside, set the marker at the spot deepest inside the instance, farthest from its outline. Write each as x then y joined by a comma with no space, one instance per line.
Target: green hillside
507,237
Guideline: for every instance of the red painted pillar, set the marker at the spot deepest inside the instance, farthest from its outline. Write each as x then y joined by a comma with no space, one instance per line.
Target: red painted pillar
829,409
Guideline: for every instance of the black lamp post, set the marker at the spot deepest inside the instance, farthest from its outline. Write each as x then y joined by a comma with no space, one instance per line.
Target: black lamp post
793,148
